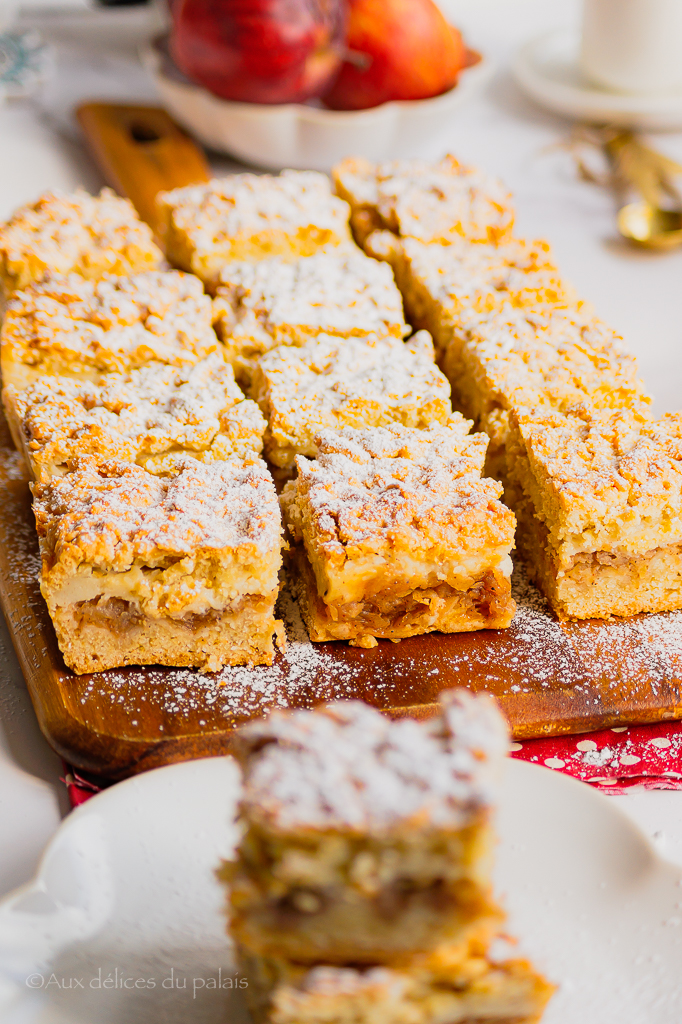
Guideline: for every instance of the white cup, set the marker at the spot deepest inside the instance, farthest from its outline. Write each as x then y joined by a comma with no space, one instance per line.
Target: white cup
633,46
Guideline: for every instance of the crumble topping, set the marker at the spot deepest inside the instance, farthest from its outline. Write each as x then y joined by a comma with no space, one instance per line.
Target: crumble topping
437,442
112,324
429,201
216,211
344,293
357,381
346,766
78,232
398,488
610,463
113,514
146,411
554,356
462,272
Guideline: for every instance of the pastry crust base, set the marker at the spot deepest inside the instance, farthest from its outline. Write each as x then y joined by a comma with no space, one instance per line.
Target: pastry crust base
98,635
487,604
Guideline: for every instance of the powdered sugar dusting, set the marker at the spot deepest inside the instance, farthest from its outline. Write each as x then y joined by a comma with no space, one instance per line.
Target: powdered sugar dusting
574,675
337,292
347,766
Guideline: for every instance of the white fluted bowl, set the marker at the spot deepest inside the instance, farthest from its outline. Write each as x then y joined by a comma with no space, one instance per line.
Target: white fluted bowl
307,137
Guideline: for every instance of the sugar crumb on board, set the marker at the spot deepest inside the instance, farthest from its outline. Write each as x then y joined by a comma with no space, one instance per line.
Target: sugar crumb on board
643,654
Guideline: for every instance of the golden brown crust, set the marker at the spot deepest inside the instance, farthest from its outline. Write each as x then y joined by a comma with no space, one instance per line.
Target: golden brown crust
72,327
328,382
153,416
430,201
74,233
251,217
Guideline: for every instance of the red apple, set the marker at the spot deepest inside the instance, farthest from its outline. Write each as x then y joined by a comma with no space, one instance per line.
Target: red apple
259,51
398,50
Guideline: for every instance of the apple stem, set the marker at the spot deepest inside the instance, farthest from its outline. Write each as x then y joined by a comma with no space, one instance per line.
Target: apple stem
357,58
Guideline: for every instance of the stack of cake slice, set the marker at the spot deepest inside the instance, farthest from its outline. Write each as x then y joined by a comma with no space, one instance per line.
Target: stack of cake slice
362,888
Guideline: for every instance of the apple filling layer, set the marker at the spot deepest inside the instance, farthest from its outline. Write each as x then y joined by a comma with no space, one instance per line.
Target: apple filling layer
393,614
343,898
600,584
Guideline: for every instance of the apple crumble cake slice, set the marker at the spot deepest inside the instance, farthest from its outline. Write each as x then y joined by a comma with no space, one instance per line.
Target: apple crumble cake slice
154,416
357,381
440,283
139,569
71,327
434,202
251,217
396,535
553,358
429,990
598,496
366,839
260,306
74,233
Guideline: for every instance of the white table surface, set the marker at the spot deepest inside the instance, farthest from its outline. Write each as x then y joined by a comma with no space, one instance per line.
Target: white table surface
639,293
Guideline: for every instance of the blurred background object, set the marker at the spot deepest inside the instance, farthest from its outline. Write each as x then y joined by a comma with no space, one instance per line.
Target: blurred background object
633,46
396,50
623,67
24,59
259,51
283,84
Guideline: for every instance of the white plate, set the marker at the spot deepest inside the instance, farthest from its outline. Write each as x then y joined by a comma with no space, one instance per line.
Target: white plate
547,69
305,137
126,891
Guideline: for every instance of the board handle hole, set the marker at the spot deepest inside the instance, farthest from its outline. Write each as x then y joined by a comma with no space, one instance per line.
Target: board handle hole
144,133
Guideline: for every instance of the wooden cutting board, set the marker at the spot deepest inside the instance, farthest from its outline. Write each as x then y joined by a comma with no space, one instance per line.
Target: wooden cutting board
549,677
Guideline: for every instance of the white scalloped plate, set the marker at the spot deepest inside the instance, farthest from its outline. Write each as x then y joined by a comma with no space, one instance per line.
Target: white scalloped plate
126,896
306,137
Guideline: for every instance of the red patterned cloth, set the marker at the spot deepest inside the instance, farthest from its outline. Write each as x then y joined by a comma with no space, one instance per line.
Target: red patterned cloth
613,760
78,788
